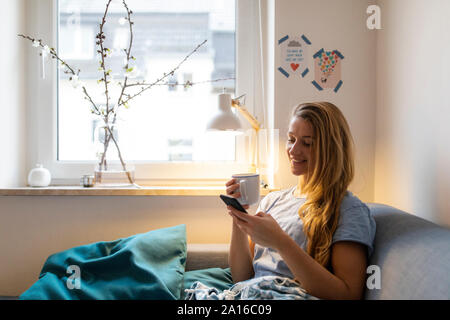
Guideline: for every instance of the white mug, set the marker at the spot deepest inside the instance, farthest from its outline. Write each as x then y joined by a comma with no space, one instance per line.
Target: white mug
248,187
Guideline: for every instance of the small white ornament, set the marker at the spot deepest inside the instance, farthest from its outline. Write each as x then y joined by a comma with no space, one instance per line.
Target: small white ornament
39,177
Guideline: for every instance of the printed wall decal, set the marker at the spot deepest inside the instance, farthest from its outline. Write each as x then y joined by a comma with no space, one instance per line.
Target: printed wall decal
328,70
293,55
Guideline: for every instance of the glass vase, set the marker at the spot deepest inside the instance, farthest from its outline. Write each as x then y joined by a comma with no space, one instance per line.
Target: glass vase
111,169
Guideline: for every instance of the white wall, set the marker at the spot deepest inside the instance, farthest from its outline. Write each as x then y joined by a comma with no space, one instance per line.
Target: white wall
412,167
12,88
340,25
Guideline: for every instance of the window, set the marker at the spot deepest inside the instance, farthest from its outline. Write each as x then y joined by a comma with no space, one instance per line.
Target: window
164,33
163,131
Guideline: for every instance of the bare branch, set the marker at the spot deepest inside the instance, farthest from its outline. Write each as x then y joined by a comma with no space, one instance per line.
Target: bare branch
52,53
66,65
101,38
184,84
163,77
128,52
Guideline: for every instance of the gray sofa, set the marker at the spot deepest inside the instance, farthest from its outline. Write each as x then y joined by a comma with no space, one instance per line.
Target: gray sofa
413,256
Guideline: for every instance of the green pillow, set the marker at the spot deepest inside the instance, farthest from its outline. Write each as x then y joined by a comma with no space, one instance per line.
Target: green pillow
212,277
144,266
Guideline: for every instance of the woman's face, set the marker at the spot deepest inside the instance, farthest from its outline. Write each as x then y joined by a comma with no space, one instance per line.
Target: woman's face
299,146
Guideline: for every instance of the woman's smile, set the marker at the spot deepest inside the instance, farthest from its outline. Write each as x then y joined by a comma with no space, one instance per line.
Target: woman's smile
298,162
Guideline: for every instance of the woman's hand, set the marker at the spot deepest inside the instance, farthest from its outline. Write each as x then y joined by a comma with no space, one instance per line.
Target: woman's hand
232,186
262,228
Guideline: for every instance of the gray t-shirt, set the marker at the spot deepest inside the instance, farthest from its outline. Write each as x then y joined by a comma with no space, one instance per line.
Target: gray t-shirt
355,224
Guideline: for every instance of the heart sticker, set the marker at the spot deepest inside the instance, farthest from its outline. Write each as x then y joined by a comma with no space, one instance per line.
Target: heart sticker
294,66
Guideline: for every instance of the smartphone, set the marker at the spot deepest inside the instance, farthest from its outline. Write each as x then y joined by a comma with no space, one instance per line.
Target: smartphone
230,201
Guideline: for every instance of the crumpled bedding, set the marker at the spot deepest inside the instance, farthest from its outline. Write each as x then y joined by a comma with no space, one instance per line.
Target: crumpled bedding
261,288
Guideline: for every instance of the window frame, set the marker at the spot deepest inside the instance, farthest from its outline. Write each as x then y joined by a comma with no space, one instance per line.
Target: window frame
43,108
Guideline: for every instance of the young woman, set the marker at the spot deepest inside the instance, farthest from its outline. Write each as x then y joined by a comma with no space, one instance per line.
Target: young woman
317,232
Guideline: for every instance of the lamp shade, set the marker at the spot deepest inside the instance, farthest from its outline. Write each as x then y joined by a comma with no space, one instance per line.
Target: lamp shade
225,119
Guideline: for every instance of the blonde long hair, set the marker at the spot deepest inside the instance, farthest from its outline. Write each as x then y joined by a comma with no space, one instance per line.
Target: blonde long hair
327,184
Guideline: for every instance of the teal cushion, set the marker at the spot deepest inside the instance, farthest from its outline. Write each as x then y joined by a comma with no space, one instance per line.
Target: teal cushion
143,266
213,277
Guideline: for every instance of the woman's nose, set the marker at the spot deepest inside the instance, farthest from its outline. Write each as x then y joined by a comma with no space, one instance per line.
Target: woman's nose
294,149
293,153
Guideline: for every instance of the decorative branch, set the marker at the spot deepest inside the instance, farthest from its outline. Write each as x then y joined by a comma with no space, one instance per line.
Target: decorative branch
171,73
101,38
69,69
126,67
128,52
148,86
38,43
186,84
108,111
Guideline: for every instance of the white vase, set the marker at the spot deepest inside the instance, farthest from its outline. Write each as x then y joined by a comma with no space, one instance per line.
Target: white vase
39,177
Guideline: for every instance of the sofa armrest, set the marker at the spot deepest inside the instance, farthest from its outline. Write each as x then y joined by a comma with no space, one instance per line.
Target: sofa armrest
203,256
413,255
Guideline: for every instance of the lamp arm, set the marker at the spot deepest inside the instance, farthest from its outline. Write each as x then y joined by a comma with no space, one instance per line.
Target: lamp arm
247,115
256,126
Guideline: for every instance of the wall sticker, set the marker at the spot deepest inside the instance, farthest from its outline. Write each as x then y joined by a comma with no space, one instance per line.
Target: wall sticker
294,55
327,70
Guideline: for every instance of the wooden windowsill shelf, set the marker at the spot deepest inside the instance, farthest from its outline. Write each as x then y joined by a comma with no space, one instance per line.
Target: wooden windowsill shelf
126,191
